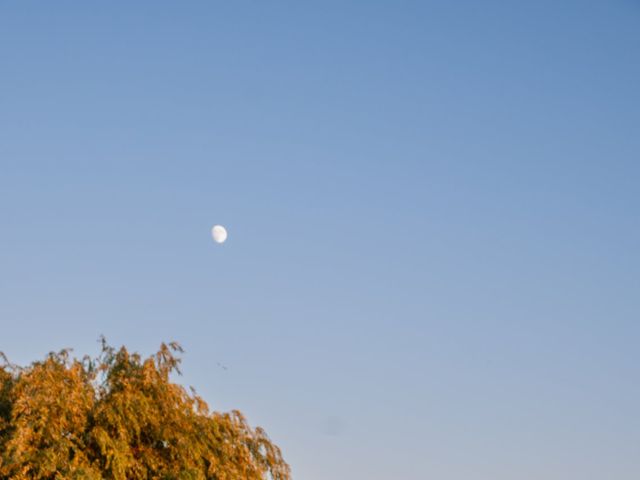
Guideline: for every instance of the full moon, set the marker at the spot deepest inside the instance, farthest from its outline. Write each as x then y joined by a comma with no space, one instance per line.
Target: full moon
219,233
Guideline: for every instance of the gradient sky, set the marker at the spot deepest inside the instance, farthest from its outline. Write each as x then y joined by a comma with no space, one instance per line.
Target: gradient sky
432,269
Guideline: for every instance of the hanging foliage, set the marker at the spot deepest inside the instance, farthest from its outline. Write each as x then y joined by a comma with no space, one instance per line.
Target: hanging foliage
119,417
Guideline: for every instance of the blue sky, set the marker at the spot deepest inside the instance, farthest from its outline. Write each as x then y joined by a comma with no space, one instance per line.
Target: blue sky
432,266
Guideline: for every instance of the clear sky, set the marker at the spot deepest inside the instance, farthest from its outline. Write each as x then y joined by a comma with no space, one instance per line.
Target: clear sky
432,269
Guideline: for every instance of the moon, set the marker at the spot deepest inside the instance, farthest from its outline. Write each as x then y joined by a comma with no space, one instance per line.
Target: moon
219,233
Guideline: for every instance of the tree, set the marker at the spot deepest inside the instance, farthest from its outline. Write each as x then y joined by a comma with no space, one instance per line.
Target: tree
119,417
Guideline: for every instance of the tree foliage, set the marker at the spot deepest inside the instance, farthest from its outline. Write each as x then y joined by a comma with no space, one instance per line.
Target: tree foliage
119,417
